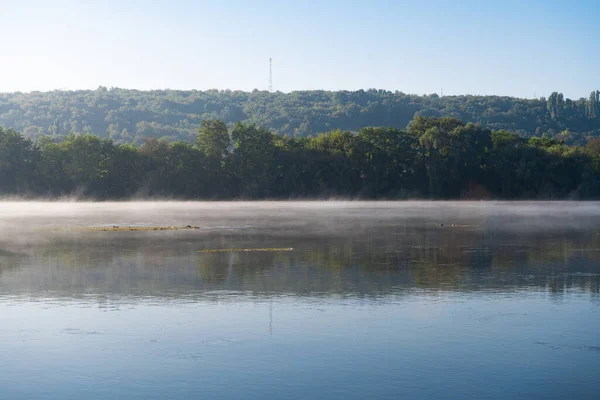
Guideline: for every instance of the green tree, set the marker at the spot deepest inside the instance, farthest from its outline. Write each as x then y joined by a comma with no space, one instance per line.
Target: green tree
213,140
252,160
391,163
18,160
87,161
213,143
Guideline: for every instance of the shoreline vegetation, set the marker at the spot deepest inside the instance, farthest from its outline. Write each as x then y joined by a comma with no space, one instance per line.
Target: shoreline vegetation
433,159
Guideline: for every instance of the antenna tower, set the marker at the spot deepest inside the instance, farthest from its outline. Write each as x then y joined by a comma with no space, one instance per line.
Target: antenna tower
270,74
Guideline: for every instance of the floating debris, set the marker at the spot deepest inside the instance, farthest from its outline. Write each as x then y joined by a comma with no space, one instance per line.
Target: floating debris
245,250
458,226
116,228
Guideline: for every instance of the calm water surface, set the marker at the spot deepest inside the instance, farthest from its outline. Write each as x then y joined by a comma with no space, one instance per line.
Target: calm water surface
376,300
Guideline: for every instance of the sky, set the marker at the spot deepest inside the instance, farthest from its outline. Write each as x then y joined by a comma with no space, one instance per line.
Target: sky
515,48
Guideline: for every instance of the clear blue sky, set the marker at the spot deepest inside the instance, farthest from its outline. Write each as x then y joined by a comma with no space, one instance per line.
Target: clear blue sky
480,47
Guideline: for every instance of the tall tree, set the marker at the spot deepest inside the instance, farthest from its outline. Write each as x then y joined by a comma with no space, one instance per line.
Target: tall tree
18,160
213,139
252,160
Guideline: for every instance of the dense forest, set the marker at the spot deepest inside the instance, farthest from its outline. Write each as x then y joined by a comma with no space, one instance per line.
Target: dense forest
437,158
129,116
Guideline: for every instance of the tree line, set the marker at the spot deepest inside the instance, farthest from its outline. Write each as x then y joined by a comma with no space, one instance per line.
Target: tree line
131,115
435,158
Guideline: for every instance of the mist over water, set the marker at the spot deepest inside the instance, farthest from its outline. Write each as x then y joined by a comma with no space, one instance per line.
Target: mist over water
376,299
329,217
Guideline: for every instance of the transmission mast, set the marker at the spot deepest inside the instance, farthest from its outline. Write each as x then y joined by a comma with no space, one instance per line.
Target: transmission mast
270,74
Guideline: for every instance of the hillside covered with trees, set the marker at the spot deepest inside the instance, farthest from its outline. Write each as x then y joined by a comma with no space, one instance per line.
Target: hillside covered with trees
128,116
437,158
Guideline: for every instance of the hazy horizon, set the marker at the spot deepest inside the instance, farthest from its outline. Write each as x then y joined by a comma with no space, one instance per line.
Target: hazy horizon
509,49
108,87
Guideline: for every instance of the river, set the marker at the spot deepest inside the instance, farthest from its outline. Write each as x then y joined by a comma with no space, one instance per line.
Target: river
299,300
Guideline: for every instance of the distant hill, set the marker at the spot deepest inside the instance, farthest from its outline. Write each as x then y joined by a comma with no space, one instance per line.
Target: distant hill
129,115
